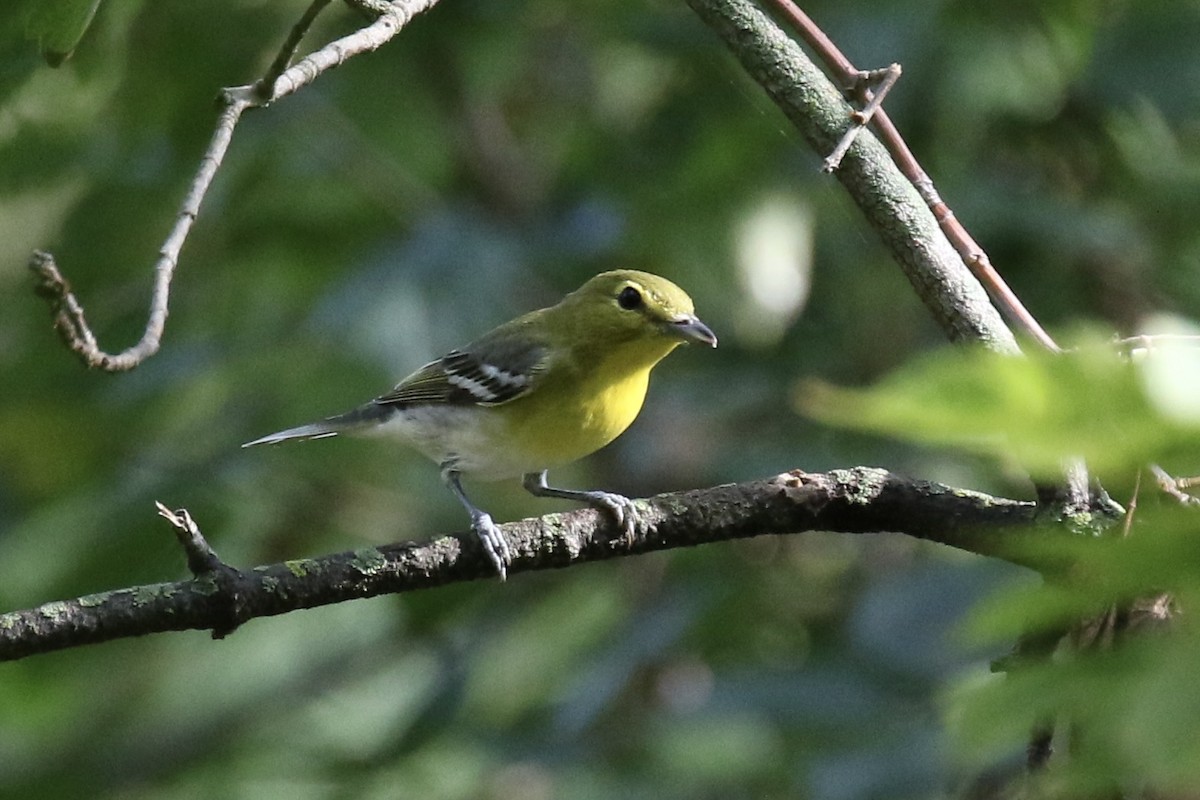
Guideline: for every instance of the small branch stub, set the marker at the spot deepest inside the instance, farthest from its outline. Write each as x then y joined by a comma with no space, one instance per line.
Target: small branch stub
229,584
201,558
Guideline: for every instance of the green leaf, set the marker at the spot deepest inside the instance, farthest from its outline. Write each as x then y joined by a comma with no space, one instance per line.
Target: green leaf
1039,409
58,25
1123,677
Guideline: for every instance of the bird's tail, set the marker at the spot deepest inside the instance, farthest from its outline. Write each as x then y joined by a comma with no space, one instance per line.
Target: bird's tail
361,417
313,430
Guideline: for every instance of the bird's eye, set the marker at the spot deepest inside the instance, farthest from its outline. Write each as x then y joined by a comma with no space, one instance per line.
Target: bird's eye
629,298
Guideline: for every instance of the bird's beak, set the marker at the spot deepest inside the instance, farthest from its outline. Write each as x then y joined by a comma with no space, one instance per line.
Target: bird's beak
691,329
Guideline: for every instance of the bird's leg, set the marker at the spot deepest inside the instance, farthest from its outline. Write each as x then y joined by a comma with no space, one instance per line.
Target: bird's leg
494,543
621,507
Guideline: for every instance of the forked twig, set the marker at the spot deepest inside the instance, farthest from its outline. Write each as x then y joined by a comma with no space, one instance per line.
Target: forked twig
279,81
287,52
1174,487
882,80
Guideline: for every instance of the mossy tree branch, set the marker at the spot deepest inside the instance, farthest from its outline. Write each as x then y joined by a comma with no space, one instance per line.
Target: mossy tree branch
220,598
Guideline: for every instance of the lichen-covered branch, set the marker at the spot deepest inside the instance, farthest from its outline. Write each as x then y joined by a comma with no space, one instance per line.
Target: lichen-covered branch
860,500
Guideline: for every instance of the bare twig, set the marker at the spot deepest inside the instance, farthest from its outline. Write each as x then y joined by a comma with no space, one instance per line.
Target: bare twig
201,558
67,312
64,308
1131,506
883,80
860,500
283,59
1175,486
850,78
1146,343
393,18
278,82
372,7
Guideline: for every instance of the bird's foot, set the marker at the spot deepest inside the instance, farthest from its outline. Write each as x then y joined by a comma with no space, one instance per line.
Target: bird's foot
622,509
493,541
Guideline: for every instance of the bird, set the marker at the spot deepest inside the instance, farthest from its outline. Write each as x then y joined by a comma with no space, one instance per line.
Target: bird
537,392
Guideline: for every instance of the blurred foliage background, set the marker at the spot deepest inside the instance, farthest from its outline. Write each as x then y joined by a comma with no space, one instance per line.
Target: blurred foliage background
489,159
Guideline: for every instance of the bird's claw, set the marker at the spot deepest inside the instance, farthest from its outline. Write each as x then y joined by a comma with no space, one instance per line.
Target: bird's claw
623,510
493,541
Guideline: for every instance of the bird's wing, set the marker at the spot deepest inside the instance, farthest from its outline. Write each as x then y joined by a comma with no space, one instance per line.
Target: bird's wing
489,372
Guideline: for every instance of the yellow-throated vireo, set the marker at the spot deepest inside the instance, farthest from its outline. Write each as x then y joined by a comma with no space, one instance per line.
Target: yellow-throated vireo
540,391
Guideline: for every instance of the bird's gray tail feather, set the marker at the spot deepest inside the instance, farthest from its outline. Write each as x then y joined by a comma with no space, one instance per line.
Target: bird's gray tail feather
362,417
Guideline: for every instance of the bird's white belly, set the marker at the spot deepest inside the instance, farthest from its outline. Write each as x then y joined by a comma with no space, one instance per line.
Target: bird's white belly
474,442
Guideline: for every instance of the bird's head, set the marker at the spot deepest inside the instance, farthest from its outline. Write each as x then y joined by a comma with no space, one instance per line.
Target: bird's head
626,305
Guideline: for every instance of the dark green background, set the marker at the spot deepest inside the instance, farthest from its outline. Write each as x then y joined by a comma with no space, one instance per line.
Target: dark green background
490,158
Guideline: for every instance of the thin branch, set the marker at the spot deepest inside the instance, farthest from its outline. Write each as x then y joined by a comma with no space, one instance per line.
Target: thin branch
1131,506
860,500
283,59
1174,487
1144,344
883,80
851,80
65,308
67,311
393,18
